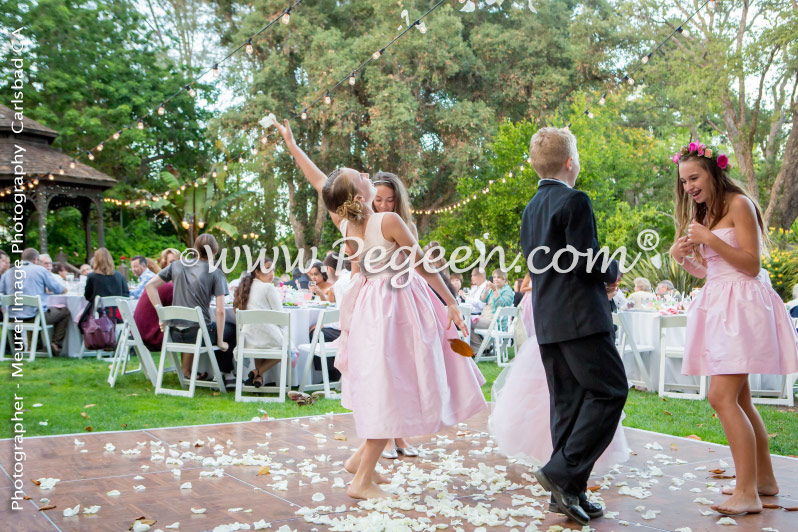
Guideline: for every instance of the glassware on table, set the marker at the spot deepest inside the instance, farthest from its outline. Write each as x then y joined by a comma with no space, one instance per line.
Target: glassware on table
70,277
307,295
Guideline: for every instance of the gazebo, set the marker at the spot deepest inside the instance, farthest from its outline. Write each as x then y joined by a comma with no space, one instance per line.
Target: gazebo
58,181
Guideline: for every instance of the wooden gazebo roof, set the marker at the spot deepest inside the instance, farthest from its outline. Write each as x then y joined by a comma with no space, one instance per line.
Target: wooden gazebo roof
39,158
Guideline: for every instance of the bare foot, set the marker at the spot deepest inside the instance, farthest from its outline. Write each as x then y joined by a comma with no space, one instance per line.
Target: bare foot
739,504
768,489
352,464
379,479
400,442
368,491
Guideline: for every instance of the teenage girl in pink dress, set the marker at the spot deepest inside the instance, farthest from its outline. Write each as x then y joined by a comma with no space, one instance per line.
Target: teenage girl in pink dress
737,324
400,374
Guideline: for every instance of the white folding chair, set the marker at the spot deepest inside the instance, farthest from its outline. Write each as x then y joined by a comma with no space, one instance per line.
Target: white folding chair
36,327
628,345
318,348
501,336
130,341
783,396
202,346
282,353
465,311
675,390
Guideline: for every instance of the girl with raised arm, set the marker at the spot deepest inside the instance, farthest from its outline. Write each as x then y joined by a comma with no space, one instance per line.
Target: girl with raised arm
737,324
402,377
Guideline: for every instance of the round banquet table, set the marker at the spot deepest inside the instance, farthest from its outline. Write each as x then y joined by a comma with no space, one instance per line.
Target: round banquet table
74,303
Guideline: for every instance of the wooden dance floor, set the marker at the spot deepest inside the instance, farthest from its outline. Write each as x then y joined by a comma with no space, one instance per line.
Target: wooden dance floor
244,474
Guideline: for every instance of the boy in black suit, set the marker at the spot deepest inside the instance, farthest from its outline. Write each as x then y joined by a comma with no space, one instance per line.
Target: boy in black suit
586,378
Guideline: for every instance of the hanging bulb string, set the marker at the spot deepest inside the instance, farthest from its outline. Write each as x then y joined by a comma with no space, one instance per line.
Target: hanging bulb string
629,75
371,58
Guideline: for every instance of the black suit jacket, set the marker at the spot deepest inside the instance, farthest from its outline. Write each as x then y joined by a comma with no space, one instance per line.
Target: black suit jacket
574,304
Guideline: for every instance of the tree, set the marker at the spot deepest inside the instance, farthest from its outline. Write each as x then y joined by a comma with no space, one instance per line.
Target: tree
93,68
732,75
425,110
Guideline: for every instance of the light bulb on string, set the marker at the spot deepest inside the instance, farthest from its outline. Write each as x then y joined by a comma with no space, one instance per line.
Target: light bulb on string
224,167
36,181
216,70
590,115
304,115
61,170
327,98
630,81
196,184
72,163
264,140
603,99
50,176
712,5
100,147
287,16
352,79
249,46
646,58
91,156
182,187
116,135
240,159
140,124
376,55
422,27
254,150
191,91
161,110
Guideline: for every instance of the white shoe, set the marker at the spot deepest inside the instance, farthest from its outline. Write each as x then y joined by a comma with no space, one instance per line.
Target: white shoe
391,454
407,451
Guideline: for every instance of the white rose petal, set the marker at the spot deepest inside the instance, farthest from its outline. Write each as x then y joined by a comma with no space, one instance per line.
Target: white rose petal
69,512
140,487
113,493
43,423
110,447
173,526
728,521
198,510
79,443
469,7
91,510
48,483
185,486
318,497
260,525
138,526
37,405
684,529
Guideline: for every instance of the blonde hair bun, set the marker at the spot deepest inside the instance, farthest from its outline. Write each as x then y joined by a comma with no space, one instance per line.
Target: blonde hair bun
352,210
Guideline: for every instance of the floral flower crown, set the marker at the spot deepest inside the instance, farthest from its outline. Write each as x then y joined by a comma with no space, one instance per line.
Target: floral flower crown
702,150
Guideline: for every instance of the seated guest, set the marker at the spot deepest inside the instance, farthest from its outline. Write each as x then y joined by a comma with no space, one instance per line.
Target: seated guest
60,270
194,286
319,284
497,294
85,270
457,283
5,262
285,279
153,265
167,257
479,283
104,281
47,263
257,292
36,281
139,266
642,296
300,280
665,288
146,317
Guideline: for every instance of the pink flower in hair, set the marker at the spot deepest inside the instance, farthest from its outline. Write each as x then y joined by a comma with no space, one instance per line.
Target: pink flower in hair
692,147
723,161
676,158
701,151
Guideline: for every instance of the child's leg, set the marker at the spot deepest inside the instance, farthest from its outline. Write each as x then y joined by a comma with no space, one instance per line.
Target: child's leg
363,486
724,393
765,479
353,463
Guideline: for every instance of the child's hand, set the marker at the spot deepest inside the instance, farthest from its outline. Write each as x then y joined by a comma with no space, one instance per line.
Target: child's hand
456,317
681,249
285,132
698,234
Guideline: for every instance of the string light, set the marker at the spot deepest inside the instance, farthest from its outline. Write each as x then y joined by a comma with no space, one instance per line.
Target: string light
249,46
603,99
213,174
287,16
712,5
91,155
646,58
240,159
100,147
421,27
215,70
224,167
352,79
304,115
327,98
376,55
61,170
72,163
630,81
191,91
116,135
161,110
140,125
254,150
51,177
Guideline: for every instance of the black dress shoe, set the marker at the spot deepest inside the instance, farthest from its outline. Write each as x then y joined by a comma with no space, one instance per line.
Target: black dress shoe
568,504
592,509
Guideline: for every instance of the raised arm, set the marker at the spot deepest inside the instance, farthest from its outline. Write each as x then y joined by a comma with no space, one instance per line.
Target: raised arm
315,177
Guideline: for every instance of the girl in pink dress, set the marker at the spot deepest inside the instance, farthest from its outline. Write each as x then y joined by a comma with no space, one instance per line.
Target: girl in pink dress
520,397
737,324
400,374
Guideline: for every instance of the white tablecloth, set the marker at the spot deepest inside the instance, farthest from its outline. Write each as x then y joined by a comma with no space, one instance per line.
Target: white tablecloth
645,329
74,303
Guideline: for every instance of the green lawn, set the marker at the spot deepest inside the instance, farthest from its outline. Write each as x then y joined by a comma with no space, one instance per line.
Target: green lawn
65,388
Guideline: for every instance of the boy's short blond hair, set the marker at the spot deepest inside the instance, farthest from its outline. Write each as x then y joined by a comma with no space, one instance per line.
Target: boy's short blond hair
549,148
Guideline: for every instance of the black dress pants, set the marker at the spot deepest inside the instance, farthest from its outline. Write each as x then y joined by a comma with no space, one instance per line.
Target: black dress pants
588,388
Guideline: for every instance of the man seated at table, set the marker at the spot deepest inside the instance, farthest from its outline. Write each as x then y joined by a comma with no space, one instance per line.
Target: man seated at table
85,270
5,262
665,288
36,281
142,272
46,262
479,283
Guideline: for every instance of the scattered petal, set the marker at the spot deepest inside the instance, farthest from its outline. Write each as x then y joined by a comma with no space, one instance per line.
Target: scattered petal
69,512
728,521
198,510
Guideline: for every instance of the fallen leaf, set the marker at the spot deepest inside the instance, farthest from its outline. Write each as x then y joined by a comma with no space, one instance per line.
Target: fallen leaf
593,488
264,417
694,437
36,482
89,406
667,413
84,414
717,471
723,476
124,425
26,498
771,506
340,437
88,429
48,507
264,470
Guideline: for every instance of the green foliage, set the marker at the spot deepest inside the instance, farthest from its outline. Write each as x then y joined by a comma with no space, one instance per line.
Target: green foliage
782,265
623,171
93,67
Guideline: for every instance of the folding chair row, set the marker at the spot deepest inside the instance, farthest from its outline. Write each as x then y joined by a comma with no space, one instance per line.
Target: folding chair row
501,336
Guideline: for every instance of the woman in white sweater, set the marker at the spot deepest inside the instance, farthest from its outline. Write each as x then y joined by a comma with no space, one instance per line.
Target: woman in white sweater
257,292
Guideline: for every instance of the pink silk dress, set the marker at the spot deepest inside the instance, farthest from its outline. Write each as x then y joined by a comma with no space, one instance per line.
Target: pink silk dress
737,323
519,421
400,376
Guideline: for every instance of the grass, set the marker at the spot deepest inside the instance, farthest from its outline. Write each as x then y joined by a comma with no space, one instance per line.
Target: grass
67,387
